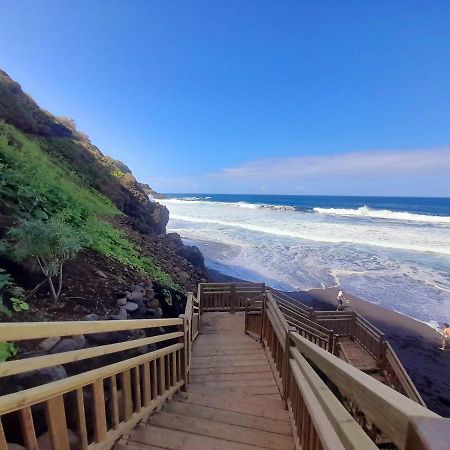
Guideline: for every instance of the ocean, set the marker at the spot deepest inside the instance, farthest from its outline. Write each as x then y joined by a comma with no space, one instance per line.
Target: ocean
394,252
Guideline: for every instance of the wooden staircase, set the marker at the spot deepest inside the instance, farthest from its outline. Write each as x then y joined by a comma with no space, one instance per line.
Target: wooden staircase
232,400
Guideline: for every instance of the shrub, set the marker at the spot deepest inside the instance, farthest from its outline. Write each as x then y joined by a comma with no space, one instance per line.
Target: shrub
51,243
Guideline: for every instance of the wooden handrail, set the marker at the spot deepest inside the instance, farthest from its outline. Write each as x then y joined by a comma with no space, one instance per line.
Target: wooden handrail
388,409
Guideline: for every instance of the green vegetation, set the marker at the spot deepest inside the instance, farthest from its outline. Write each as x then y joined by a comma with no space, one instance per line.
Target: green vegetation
54,202
12,297
51,243
7,350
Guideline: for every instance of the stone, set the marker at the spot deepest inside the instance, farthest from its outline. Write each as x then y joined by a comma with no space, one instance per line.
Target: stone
121,316
91,317
150,293
47,344
136,295
65,345
79,339
154,303
101,274
44,442
131,306
35,378
152,313
15,447
121,301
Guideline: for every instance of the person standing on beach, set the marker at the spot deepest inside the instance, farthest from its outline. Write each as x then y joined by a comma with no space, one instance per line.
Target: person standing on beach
340,300
445,336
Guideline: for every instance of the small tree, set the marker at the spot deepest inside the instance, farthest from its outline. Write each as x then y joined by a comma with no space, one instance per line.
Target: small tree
51,243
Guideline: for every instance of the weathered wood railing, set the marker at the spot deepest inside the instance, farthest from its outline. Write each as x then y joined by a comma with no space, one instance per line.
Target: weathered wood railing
95,407
319,418
227,296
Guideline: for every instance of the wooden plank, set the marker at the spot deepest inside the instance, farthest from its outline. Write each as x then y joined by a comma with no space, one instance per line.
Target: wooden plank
229,417
318,423
350,433
238,383
56,423
99,411
212,358
38,330
267,375
390,410
37,394
114,402
125,378
27,428
220,430
174,369
81,420
154,378
261,368
146,382
125,427
137,388
161,376
3,445
175,440
232,404
26,365
228,363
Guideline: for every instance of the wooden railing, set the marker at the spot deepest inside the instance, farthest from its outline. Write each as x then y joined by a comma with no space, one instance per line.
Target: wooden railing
227,296
322,420
96,406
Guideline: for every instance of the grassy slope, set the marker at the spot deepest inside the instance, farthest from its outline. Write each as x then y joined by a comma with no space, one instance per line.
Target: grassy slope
35,184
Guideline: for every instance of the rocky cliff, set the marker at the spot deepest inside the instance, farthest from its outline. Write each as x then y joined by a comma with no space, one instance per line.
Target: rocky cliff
49,169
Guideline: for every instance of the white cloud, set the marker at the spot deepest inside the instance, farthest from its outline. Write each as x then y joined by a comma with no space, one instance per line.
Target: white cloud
427,162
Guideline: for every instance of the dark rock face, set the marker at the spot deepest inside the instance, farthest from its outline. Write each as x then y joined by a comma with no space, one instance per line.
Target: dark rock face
193,255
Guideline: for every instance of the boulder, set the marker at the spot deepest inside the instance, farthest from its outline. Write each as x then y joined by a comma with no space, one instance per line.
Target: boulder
15,447
193,255
44,442
121,316
35,378
121,301
65,345
47,344
91,317
101,274
79,339
153,303
174,240
131,306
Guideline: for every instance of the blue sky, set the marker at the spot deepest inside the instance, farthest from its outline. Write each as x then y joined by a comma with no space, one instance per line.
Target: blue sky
300,97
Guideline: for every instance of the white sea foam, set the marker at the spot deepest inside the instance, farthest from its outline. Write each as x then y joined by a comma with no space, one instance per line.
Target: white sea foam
365,211
400,264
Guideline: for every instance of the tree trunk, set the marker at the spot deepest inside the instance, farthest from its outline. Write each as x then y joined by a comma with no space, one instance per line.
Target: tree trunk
60,276
51,288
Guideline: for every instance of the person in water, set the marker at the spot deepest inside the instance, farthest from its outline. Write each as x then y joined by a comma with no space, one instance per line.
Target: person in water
445,336
340,300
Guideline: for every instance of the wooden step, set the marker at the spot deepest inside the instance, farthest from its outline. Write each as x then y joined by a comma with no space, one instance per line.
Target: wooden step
271,409
226,351
224,431
229,417
255,369
239,395
196,378
236,390
177,440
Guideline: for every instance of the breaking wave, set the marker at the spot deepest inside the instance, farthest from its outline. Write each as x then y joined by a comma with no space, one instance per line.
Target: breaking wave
365,211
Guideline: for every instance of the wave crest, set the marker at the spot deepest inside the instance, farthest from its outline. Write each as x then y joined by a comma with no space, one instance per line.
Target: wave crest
365,211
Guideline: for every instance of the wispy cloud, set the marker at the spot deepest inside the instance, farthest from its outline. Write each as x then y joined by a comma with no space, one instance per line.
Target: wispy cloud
425,162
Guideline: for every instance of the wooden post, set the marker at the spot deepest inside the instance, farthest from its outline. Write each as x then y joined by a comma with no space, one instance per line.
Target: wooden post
200,301
263,319
285,364
184,353
330,341
233,299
